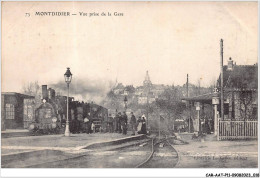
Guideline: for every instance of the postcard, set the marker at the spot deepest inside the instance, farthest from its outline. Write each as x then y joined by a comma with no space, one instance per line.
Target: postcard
130,85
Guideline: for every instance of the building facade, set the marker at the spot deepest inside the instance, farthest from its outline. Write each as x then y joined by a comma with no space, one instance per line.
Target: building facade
17,110
240,91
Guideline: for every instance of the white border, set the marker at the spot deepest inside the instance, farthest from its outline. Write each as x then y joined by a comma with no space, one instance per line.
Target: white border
119,172
183,172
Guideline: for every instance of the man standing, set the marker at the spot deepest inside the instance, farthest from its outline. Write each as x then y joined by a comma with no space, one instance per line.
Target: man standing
110,123
124,123
86,123
119,122
133,123
116,119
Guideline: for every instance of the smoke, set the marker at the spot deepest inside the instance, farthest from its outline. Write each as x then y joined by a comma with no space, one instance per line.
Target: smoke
86,90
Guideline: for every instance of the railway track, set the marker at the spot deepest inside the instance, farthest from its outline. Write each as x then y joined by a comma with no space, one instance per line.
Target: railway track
150,153
109,157
163,155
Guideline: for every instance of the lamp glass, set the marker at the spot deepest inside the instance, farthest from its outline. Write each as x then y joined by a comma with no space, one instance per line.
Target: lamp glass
68,76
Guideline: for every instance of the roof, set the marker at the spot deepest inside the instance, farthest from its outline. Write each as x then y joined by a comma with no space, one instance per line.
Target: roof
242,77
205,98
119,86
19,94
158,86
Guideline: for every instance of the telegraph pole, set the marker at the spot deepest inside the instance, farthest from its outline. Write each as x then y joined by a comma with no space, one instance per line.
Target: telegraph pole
147,111
187,85
221,82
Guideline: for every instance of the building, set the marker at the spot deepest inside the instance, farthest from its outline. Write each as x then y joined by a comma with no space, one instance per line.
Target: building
143,99
240,104
240,91
148,92
17,110
157,89
119,89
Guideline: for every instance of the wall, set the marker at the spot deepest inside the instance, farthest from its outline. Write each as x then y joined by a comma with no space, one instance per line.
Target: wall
3,127
17,101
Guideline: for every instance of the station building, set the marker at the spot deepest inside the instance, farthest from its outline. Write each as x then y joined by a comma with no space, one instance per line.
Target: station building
17,110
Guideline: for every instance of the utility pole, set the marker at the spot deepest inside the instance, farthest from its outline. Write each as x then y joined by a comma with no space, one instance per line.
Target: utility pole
187,85
159,127
147,111
221,82
199,86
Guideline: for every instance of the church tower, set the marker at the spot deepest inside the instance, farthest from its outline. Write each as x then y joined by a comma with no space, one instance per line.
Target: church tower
147,82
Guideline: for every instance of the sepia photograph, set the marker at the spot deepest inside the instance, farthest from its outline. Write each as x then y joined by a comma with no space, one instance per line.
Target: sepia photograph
130,85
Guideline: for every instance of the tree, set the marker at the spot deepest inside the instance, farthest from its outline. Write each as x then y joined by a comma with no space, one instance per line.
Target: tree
130,89
170,103
245,104
33,89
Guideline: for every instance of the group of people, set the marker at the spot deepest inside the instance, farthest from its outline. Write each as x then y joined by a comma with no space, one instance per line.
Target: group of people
119,124
86,126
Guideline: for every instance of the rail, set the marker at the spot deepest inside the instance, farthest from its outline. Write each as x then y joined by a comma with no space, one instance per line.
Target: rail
153,151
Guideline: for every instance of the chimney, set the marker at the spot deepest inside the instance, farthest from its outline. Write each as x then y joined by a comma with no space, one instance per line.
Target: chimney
44,92
51,94
230,64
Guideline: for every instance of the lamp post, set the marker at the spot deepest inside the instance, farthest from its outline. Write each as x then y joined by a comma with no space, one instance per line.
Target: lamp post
125,101
215,102
68,77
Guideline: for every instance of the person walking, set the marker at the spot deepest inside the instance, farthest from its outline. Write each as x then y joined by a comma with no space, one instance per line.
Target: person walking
133,123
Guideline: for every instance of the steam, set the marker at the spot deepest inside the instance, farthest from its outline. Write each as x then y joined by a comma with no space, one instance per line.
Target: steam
86,90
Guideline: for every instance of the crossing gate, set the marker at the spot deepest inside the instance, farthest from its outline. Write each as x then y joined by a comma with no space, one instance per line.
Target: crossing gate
230,130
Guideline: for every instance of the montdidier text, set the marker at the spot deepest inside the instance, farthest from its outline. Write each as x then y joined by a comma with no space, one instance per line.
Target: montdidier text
52,13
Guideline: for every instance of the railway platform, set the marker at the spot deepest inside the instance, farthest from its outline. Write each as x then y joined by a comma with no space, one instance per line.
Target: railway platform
14,145
37,150
15,133
210,153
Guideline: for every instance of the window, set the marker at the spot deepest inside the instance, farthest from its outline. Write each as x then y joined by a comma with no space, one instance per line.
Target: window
28,110
9,111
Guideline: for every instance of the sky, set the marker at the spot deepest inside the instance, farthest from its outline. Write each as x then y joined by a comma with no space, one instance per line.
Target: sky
169,39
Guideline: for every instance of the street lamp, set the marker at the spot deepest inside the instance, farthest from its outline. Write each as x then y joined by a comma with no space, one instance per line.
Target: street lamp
68,77
125,101
215,102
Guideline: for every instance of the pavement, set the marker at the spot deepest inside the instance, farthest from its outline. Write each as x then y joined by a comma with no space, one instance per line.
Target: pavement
16,145
206,153
210,153
60,151
15,133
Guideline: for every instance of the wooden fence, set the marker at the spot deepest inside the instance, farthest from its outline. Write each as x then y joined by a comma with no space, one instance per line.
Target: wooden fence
237,130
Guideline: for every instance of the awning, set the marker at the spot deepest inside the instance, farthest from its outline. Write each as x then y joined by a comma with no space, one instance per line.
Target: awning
205,98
